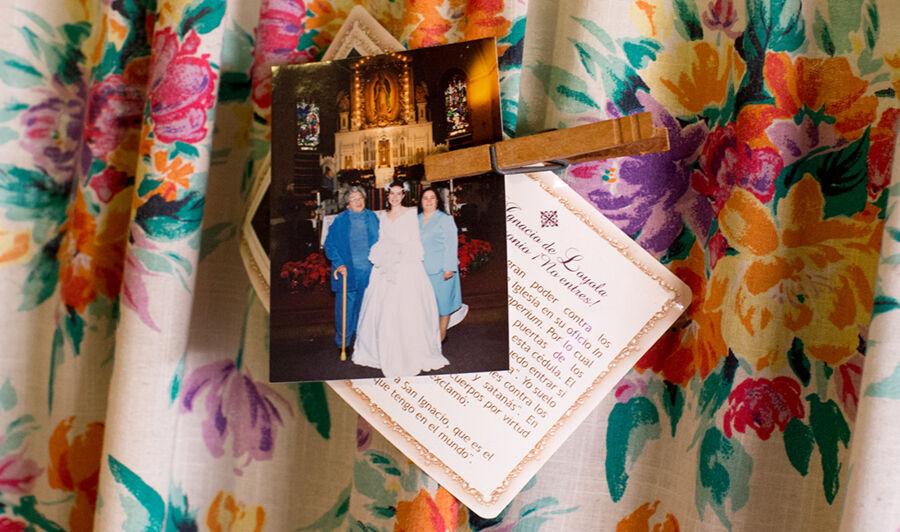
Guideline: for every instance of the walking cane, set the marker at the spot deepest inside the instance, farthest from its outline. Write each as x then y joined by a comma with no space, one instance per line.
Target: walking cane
343,316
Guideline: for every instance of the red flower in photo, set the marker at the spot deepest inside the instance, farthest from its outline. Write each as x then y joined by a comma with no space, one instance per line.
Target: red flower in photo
762,405
311,271
473,254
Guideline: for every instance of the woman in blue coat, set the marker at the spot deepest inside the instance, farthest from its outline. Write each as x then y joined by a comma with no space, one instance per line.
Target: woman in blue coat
350,237
439,238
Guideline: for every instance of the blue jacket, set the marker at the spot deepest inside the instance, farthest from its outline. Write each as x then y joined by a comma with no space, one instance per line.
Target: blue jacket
439,238
337,249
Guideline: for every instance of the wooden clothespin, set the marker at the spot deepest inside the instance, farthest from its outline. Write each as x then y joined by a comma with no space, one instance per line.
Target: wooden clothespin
551,150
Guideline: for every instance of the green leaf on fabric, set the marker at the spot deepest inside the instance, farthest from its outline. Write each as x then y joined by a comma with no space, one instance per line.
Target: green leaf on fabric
17,72
183,148
681,247
11,110
27,510
567,91
148,185
687,23
234,87
823,35
533,515
798,443
631,425
74,329
15,434
171,220
76,33
42,275
56,358
152,261
8,397
30,194
717,386
620,81
335,517
871,27
798,361
887,388
7,134
314,405
842,174
723,473
384,463
673,404
775,25
370,483
214,236
180,261
145,495
598,33
110,63
38,21
202,16
884,304
640,52
845,17
177,379
829,428
384,512
178,513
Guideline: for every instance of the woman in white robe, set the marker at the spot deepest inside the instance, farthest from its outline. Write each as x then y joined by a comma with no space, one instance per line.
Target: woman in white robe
398,322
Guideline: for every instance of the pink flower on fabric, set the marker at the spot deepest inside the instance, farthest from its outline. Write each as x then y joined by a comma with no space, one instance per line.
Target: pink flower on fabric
238,406
11,525
17,474
849,377
116,108
727,162
277,36
762,405
109,182
182,88
629,388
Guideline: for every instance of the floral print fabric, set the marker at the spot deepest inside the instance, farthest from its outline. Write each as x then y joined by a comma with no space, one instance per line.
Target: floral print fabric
133,389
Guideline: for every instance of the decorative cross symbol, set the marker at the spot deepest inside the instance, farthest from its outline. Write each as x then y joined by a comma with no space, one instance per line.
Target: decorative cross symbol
549,219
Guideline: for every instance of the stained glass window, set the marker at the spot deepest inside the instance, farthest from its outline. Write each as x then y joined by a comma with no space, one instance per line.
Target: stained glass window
307,126
456,102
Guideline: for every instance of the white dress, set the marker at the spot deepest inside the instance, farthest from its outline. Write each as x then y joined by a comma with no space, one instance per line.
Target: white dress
398,323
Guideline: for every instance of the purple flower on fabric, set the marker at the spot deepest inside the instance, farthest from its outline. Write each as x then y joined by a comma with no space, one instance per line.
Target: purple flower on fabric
793,140
363,434
650,195
721,14
52,129
235,405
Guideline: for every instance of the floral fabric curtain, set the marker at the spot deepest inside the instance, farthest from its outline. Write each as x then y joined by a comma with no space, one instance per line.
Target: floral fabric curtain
133,367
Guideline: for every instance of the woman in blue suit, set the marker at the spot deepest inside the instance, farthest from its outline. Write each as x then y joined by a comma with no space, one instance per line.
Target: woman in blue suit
439,238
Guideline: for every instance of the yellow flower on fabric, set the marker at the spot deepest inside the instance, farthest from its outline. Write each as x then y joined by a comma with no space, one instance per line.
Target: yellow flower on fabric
639,520
797,275
427,514
704,83
14,245
226,514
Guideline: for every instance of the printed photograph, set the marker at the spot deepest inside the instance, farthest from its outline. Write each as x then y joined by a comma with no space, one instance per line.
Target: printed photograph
377,272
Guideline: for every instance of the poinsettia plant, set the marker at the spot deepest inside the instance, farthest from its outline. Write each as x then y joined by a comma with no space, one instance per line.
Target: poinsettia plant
473,254
311,271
